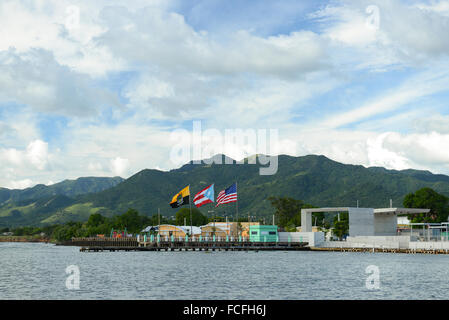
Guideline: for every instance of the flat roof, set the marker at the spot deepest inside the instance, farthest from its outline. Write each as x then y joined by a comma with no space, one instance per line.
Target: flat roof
425,224
401,210
263,226
313,210
380,210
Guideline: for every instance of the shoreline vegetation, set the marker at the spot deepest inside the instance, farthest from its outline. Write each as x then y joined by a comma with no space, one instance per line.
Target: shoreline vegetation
26,239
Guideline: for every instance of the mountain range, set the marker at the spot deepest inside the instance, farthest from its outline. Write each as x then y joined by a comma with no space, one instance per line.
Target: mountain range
317,180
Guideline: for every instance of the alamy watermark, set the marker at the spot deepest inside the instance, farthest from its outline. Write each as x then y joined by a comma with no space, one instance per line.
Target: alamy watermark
373,19
72,20
73,280
373,280
253,144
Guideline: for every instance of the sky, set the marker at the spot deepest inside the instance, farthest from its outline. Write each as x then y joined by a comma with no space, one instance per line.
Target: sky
101,88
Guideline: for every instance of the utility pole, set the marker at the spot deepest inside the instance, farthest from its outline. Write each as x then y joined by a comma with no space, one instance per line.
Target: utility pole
212,211
249,224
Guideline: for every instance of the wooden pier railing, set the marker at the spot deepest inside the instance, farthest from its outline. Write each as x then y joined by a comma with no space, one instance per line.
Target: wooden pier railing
101,242
167,244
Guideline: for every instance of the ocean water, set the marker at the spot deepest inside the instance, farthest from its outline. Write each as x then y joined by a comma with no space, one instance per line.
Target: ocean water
38,271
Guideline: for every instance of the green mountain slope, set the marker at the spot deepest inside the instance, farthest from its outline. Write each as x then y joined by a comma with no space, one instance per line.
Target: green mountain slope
45,204
314,179
69,188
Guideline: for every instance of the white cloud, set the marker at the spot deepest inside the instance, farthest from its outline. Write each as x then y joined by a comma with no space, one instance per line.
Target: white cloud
424,149
21,184
28,25
166,41
441,7
406,34
416,87
37,80
95,167
13,156
119,166
37,153
432,123
380,155
21,167
348,25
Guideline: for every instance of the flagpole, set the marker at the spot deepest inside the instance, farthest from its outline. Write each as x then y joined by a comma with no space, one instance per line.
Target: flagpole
191,224
237,209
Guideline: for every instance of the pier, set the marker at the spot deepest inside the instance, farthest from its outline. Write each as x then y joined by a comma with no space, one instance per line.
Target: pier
131,244
385,250
164,244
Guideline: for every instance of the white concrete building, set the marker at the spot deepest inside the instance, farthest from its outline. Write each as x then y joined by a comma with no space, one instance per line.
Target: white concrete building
363,221
368,227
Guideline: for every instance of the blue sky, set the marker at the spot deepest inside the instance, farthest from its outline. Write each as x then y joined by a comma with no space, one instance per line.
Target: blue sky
101,89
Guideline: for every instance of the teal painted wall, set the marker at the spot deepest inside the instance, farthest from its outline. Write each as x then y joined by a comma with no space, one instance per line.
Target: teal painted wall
262,233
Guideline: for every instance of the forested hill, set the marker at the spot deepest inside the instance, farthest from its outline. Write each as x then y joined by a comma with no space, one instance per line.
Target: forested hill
69,188
315,179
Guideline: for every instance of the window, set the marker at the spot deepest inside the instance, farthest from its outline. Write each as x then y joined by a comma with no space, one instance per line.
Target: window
254,232
272,232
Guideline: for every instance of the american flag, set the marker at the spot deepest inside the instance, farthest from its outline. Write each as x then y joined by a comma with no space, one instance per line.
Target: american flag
227,195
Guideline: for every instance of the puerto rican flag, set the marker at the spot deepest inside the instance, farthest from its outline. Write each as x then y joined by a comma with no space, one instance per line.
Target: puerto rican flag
227,195
204,196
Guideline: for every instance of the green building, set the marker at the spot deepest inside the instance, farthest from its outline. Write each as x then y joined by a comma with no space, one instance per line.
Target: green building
261,233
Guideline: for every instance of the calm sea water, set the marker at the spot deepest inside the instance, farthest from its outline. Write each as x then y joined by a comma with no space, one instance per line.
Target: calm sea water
38,271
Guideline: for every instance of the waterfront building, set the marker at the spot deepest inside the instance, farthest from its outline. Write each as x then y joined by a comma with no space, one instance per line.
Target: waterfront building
209,231
364,221
263,233
230,228
314,229
150,229
403,222
168,230
245,228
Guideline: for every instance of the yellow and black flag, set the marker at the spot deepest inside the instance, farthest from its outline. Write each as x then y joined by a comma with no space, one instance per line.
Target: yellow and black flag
181,198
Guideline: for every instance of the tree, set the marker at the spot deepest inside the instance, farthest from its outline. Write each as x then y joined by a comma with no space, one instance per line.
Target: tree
288,211
341,228
95,220
427,198
198,219
69,230
154,220
131,220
